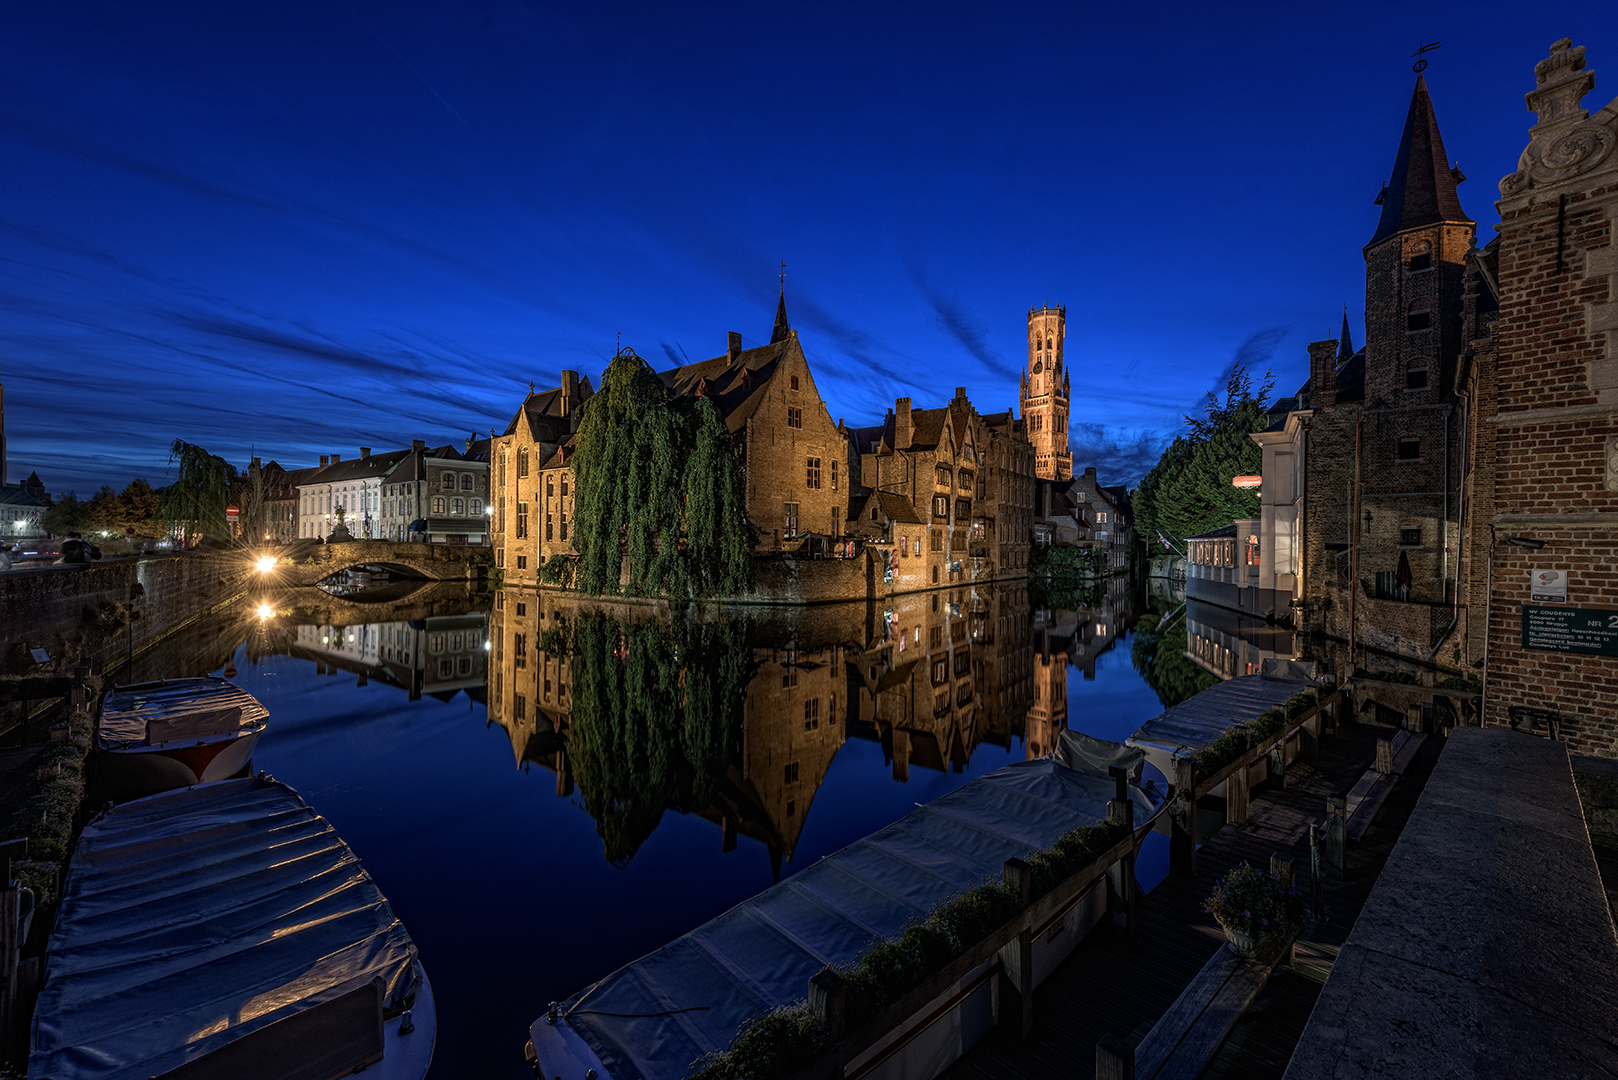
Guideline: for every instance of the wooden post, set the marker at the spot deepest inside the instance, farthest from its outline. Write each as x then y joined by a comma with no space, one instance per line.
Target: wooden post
1236,797
1115,1058
1309,737
1183,819
1121,875
1017,958
1336,845
10,946
828,995
1384,757
1281,869
1278,766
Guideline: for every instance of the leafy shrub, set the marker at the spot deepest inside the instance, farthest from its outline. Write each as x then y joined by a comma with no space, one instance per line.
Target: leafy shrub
1236,742
1251,901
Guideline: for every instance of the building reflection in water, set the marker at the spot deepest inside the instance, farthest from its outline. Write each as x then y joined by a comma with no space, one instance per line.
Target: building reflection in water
1227,643
438,656
636,713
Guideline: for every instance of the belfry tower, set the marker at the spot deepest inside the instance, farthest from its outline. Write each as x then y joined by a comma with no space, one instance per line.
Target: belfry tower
1045,393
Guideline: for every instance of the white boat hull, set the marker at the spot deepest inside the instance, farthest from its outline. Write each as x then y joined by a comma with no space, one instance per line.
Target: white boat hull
148,770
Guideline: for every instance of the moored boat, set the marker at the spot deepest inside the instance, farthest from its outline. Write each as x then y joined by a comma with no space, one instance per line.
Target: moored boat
156,736
225,930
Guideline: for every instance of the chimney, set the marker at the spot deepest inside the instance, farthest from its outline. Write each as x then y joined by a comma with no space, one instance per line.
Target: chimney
735,348
960,393
417,444
324,461
1090,473
365,452
1322,374
904,428
335,458
570,391
255,464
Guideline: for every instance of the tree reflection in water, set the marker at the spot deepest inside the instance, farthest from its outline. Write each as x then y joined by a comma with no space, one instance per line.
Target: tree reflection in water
656,720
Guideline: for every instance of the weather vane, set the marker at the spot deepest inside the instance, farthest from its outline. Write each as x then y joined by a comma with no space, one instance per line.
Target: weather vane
783,273
1421,63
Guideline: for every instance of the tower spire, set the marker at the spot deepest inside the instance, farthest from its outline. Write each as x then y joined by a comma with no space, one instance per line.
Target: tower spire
782,327
1421,190
1345,344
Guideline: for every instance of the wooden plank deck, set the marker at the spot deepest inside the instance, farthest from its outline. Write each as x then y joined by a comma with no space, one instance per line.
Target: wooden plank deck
1108,985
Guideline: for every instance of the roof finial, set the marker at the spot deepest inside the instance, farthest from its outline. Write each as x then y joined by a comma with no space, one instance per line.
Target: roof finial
783,275
530,386
1421,62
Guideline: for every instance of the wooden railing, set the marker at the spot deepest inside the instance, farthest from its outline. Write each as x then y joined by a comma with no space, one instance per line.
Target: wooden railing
1007,954
1189,787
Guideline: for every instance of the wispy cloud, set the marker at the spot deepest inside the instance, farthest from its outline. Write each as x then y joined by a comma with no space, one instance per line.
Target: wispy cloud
1119,455
964,326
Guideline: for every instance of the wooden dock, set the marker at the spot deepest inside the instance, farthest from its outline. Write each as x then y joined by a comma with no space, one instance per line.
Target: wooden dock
1110,986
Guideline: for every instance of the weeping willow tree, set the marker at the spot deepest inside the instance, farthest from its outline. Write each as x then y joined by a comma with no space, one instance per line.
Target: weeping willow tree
656,721
195,503
719,537
659,484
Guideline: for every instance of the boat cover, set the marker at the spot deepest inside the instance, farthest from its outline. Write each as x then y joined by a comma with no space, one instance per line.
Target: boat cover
177,709
1203,718
761,953
194,917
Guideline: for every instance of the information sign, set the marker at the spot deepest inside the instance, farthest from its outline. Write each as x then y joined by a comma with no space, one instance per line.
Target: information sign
1572,630
1547,586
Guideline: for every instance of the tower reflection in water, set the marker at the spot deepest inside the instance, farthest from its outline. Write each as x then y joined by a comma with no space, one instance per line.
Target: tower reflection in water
737,717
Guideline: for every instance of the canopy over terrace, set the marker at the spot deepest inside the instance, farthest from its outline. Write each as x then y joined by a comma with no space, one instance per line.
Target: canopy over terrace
653,1017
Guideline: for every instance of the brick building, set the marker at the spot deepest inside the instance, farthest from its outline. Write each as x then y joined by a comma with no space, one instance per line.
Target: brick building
1386,429
545,422
950,478
437,495
795,457
1045,393
1548,442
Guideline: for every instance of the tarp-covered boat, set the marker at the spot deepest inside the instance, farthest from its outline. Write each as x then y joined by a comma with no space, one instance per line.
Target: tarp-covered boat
1205,717
225,930
654,1017
156,736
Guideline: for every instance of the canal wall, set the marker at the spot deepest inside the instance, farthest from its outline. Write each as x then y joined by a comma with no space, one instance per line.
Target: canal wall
102,611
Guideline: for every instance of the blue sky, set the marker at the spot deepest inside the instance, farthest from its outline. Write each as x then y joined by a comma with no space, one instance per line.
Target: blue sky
301,228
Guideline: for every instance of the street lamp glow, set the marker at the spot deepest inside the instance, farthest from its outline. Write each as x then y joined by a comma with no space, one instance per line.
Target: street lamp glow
265,611
266,563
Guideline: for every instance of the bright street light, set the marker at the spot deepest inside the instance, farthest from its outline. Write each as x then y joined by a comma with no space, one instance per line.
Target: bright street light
266,563
265,611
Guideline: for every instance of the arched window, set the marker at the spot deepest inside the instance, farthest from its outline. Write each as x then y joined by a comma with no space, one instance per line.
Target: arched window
474,507
522,462
457,507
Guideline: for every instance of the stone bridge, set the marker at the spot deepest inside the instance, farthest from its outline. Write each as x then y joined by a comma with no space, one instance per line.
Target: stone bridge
307,563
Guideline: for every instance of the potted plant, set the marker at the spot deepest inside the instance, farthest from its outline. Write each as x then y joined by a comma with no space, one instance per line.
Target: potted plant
1251,907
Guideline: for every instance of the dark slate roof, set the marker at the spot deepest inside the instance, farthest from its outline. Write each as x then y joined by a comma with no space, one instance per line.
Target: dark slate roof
782,327
17,495
1345,343
1422,188
734,385
542,410
1120,497
358,468
898,508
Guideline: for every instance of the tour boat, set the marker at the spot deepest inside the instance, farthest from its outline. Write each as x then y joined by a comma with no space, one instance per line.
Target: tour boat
226,931
155,736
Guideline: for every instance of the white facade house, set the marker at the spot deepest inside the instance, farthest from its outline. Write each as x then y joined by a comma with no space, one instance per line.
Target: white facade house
438,495
22,516
354,487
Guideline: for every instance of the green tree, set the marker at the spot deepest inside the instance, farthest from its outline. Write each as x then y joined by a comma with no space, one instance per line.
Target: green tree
195,503
137,508
1189,490
1159,656
647,466
67,513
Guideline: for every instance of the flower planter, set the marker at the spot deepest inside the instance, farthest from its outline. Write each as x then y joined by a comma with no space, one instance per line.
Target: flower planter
1243,943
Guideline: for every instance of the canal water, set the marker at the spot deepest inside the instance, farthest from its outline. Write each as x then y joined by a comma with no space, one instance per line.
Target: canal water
546,791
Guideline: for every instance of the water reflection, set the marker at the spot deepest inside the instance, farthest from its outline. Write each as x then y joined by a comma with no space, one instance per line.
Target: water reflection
737,718
702,756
